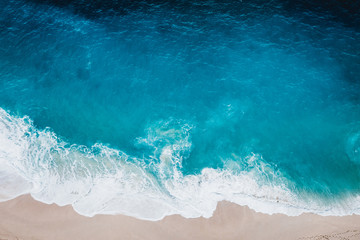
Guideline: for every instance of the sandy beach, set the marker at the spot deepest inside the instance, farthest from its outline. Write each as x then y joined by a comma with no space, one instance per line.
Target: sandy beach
25,218
179,120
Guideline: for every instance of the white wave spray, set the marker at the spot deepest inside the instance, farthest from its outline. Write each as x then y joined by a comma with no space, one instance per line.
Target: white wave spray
108,181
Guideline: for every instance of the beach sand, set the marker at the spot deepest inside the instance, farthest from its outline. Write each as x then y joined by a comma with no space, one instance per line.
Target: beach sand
25,218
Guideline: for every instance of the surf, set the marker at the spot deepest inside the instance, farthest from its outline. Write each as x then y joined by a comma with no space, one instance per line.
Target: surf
170,108
101,180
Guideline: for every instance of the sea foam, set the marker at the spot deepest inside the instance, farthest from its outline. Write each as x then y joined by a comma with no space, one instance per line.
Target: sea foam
103,180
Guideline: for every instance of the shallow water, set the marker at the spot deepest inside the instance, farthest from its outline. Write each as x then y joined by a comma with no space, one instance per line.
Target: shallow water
156,108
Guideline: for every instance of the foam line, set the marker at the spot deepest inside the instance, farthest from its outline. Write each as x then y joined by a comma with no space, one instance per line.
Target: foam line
108,181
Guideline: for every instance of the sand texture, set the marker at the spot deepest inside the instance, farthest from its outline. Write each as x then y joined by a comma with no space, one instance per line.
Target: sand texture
25,218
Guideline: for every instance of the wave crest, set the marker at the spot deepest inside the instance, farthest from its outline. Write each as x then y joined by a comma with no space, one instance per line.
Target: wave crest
104,180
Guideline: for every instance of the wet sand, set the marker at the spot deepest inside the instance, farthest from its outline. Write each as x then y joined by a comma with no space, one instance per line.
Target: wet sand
25,218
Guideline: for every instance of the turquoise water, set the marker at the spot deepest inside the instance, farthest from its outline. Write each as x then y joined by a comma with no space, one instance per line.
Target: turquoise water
151,109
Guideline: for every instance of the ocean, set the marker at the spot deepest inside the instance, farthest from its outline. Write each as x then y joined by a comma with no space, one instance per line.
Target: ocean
152,108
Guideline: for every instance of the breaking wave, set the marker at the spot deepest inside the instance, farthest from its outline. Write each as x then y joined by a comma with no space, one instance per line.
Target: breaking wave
103,180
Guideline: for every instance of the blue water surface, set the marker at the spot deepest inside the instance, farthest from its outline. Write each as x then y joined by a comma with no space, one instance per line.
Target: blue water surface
268,78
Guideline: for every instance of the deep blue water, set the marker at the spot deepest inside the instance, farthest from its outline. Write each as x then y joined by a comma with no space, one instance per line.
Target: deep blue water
182,103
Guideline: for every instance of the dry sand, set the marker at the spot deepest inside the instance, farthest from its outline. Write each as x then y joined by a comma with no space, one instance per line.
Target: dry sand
25,218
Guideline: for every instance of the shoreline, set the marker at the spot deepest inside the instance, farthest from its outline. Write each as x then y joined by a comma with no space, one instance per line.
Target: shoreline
25,218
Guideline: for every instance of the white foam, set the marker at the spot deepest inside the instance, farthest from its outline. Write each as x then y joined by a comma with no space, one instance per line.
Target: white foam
104,180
